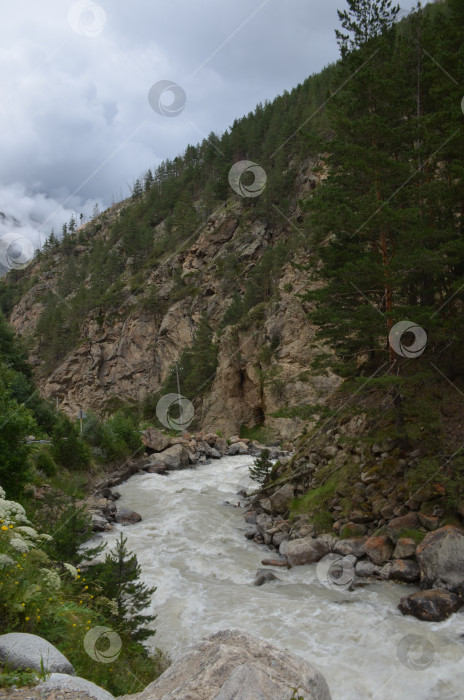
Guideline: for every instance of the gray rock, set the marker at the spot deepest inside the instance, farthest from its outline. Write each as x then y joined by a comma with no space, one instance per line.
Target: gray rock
127,517
366,568
99,523
304,551
22,650
61,681
281,499
278,538
440,555
238,448
263,576
215,454
233,665
351,545
176,457
405,570
155,440
405,548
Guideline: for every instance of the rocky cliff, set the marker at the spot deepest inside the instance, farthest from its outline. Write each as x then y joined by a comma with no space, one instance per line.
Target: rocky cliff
124,349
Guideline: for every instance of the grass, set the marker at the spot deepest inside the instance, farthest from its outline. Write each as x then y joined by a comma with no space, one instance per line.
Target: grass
415,535
260,433
315,500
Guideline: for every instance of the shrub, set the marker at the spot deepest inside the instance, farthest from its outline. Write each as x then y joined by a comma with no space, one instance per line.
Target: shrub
261,471
69,450
44,462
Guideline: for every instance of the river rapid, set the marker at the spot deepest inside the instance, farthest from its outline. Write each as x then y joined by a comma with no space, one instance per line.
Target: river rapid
191,545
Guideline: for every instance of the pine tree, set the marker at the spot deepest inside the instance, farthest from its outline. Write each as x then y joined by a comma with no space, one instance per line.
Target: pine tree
364,20
261,471
119,576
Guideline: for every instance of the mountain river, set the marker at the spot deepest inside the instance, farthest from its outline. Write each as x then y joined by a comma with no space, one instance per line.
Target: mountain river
191,546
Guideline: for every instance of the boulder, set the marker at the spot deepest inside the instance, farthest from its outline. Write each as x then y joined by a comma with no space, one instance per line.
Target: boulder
405,522
175,457
281,499
441,556
433,606
406,570
156,468
263,576
22,650
221,445
274,562
61,681
366,568
99,523
351,545
215,454
155,440
379,549
127,517
233,664
238,448
279,537
304,551
430,522
405,548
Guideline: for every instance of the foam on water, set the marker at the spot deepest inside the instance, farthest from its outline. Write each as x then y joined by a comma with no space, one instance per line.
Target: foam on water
191,545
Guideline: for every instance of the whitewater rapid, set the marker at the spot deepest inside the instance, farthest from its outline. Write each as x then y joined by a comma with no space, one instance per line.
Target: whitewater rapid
191,546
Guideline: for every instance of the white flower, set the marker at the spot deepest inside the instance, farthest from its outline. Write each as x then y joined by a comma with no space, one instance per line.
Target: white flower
20,545
51,579
45,537
28,531
5,561
72,570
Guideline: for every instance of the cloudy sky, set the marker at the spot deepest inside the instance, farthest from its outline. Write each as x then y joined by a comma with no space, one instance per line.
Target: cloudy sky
76,123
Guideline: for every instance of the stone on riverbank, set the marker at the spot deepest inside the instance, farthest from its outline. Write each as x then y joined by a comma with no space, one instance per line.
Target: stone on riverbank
304,551
233,664
61,681
22,650
175,457
440,556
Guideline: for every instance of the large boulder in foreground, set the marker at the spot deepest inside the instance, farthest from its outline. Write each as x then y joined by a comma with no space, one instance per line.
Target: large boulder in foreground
232,665
432,606
304,551
63,682
22,650
440,556
281,499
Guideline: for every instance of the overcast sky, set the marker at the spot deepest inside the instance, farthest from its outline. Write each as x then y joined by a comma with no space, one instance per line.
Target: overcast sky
76,124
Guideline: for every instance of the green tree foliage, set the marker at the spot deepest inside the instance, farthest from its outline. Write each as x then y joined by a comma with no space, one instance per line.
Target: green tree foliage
261,469
364,20
113,439
119,577
69,451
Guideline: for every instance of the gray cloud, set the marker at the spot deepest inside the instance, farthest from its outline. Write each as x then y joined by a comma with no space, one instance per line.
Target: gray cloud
75,122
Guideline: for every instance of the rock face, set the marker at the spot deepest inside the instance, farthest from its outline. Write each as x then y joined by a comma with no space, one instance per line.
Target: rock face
432,606
304,551
23,650
233,665
61,681
441,558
